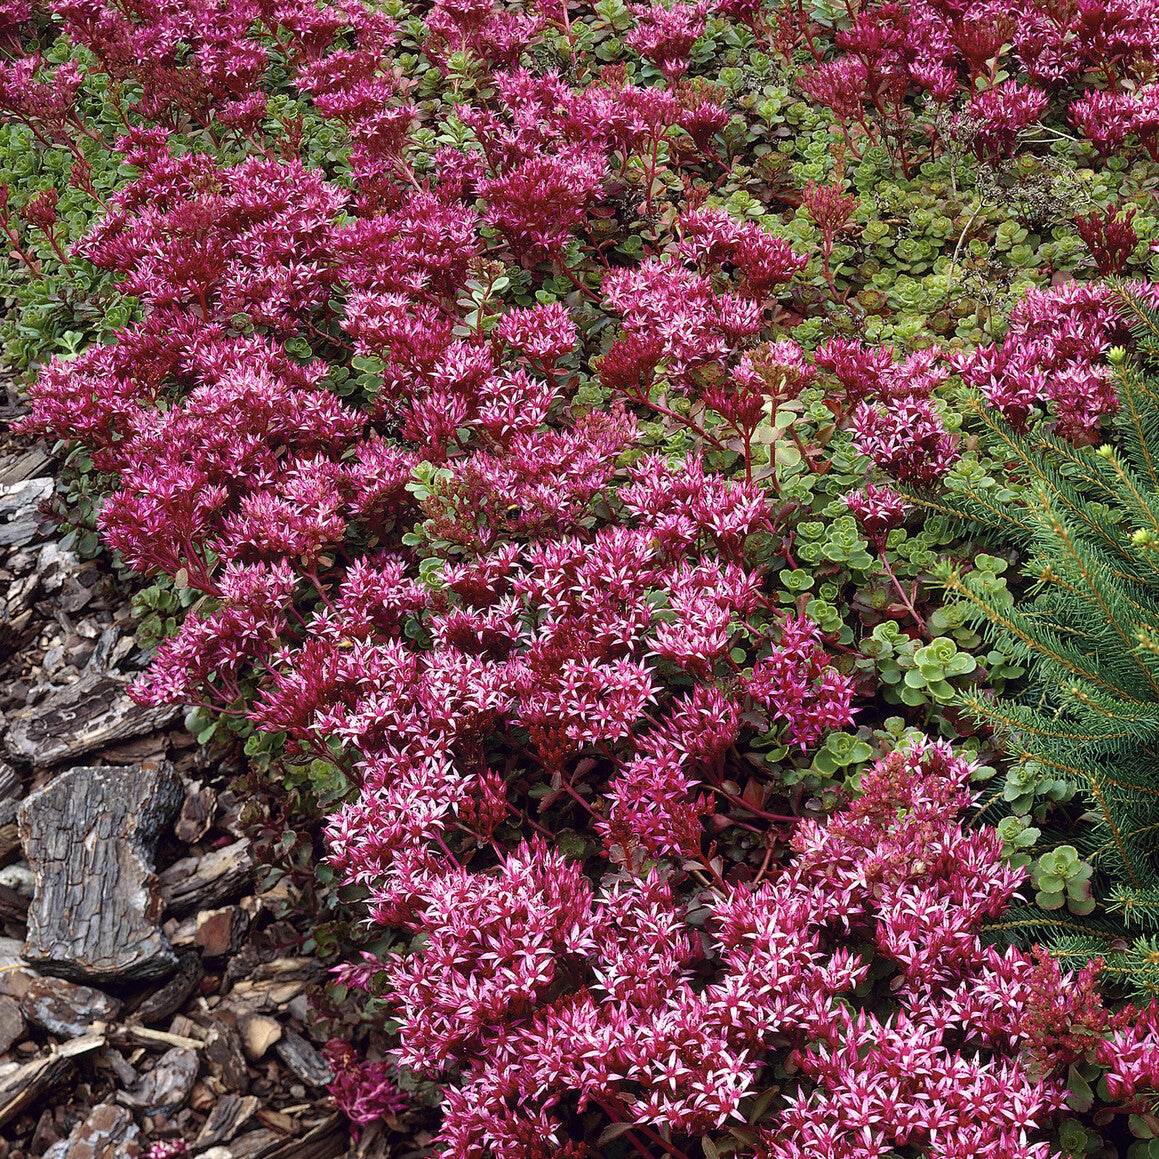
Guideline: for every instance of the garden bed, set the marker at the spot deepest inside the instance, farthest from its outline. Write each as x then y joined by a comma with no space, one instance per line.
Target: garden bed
638,521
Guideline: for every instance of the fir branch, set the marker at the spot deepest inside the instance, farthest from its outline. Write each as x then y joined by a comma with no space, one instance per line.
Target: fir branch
1043,643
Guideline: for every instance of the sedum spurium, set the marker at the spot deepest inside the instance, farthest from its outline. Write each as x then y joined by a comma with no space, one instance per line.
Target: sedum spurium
522,603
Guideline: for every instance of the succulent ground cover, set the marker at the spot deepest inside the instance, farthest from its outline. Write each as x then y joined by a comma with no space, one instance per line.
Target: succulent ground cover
538,436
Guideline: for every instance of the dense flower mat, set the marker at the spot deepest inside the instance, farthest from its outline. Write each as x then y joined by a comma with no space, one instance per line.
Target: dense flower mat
499,407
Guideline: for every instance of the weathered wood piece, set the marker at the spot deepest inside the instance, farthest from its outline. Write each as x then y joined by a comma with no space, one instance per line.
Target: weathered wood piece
11,1023
24,466
272,985
90,713
66,1008
255,1144
258,1033
167,1085
221,931
204,882
327,1140
231,1113
90,836
166,1001
15,976
223,1052
133,1033
20,510
9,844
22,1087
303,1060
11,791
109,1132
196,815
13,905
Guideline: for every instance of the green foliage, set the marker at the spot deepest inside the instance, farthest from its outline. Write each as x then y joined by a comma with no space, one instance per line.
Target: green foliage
1085,725
913,673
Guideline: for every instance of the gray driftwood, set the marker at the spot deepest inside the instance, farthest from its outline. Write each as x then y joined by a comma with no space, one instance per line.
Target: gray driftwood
90,713
90,836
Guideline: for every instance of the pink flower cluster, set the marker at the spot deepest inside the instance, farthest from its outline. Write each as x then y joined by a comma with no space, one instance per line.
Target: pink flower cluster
1131,1054
1109,119
798,685
894,419
664,33
550,993
201,58
1052,356
1106,49
878,509
364,1091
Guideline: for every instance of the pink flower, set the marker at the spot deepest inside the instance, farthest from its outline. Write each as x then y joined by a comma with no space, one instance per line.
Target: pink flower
544,332
877,509
536,203
799,686
906,439
1051,355
166,1149
1001,113
364,1091
664,33
1131,1052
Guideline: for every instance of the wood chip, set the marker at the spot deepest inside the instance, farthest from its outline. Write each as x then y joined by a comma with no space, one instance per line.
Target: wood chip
65,1008
167,1086
306,1063
196,815
130,1032
10,848
195,883
273,984
20,510
13,906
108,1132
90,713
254,1144
15,977
11,790
221,931
278,1121
11,1023
23,1086
226,1119
223,1052
327,1140
166,1001
25,466
258,1033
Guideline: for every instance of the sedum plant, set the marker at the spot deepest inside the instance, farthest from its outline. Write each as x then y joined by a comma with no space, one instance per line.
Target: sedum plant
1084,729
453,413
